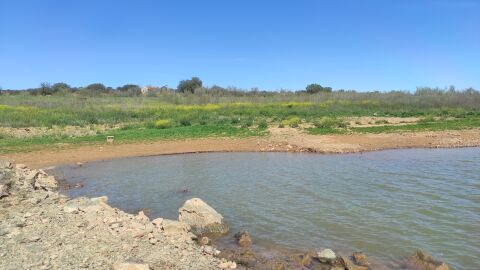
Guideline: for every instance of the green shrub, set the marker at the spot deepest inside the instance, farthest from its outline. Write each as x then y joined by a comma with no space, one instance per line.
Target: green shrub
184,121
330,122
163,123
263,124
427,119
291,122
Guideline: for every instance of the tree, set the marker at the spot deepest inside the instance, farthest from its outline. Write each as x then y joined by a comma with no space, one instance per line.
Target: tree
97,87
45,89
317,88
189,86
130,90
61,87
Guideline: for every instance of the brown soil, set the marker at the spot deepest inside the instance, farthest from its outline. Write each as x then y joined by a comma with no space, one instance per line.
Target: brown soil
280,140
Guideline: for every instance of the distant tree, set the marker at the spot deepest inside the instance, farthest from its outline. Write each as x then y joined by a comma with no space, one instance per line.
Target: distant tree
61,87
189,86
45,89
130,90
317,88
97,87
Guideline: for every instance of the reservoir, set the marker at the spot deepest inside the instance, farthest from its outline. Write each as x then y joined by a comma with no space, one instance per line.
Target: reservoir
387,204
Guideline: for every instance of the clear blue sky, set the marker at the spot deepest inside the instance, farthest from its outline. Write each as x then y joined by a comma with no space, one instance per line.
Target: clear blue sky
350,44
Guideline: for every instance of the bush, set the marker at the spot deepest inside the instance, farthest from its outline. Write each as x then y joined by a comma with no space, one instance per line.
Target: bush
263,124
291,122
426,119
184,121
163,123
330,122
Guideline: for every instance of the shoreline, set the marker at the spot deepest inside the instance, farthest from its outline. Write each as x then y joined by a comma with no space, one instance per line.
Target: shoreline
279,140
85,232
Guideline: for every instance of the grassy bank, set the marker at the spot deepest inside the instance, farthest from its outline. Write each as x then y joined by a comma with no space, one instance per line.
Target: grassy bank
179,116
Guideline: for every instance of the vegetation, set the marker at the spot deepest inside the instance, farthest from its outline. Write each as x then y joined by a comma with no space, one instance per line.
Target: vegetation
193,110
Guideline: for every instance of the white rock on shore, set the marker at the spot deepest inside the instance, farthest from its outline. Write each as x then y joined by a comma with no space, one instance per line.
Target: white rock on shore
201,217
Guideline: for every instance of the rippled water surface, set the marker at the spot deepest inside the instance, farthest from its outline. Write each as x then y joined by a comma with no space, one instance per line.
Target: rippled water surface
387,204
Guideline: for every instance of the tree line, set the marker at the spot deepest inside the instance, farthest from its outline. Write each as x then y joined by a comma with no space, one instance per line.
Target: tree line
191,86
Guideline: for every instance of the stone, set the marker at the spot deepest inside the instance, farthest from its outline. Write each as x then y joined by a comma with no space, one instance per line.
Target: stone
243,239
4,191
360,259
422,261
141,216
131,266
70,209
227,265
157,222
204,241
326,256
201,217
46,182
173,227
103,199
347,264
5,164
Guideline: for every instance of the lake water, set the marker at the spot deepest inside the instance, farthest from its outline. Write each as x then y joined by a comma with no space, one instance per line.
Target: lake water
387,204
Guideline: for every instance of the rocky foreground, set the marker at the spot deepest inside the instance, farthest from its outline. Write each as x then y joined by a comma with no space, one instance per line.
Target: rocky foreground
42,229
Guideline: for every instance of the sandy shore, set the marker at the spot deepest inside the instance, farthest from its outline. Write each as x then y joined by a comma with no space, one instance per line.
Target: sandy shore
279,140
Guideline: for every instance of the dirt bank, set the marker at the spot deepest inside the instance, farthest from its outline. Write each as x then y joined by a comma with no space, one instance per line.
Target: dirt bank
279,140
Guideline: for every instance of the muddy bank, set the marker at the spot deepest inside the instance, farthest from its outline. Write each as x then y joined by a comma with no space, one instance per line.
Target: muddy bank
279,140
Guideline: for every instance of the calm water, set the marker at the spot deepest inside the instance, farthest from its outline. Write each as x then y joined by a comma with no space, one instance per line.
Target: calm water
387,204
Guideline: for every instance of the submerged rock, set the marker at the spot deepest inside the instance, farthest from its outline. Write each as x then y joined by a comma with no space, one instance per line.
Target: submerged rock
422,261
201,217
326,256
360,259
243,239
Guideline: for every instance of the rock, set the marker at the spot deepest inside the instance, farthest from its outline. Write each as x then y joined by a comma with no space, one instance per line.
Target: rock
103,199
326,256
228,265
70,209
173,227
422,261
5,164
243,239
360,259
4,190
347,264
46,182
131,266
305,259
201,217
204,241
157,222
141,216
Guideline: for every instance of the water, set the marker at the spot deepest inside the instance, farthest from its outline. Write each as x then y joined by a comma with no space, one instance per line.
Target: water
387,204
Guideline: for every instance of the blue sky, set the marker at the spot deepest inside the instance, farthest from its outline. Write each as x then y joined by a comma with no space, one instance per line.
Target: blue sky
349,44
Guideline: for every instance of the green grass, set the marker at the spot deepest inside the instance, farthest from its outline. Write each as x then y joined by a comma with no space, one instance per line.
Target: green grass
453,124
178,116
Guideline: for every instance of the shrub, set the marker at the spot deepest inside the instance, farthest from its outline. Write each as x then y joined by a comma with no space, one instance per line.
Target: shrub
263,124
184,121
330,122
426,119
291,122
163,123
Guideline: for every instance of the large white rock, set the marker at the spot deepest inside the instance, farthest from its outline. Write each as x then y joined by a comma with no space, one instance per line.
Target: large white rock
326,255
201,217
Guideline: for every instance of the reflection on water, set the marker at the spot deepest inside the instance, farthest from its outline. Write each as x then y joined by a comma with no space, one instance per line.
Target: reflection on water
386,203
